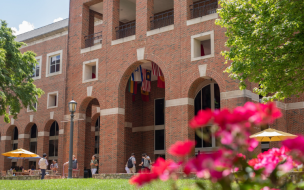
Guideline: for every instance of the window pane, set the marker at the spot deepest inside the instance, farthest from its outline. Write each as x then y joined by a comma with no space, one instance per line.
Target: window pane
198,102
33,147
159,112
15,133
34,131
52,70
159,139
54,131
53,60
58,59
52,148
199,142
37,72
207,141
217,98
206,98
56,147
57,67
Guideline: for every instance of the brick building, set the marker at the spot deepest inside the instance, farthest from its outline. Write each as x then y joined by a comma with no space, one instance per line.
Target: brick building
90,57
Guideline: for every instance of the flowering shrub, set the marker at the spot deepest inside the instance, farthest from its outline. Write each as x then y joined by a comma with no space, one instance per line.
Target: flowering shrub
228,164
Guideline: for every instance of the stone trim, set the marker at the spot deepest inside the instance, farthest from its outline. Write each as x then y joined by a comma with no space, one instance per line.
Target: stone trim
160,30
202,70
92,48
31,118
179,102
122,40
202,19
140,54
52,113
12,121
77,116
239,94
61,131
6,138
159,151
88,119
43,134
23,136
92,128
290,106
128,124
90,90
112,111
142,129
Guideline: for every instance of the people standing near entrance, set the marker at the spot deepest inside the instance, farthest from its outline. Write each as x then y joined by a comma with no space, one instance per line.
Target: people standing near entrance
94,165
145,163
43,163
131,163
54,166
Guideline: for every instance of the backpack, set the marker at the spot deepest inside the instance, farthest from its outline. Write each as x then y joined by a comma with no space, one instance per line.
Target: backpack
130,163
147,163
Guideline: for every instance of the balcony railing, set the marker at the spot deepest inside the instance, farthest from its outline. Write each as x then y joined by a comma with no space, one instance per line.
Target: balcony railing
93,39
162,20
125,30
203,8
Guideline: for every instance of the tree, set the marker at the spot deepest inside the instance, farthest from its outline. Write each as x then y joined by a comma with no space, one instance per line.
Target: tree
266,41
16,69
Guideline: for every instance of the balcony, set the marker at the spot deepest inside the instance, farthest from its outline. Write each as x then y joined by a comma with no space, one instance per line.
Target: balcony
162,19
203,8
93,39
125,30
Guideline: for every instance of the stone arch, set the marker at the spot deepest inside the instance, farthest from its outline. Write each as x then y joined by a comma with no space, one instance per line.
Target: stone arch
94,119
28,127
10,130
48,124
195,80
82,108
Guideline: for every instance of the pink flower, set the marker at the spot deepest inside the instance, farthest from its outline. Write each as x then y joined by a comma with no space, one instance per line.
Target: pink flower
226,138
201,119
163,168
252,144
143,178
181,149
293,144
267,188
266,114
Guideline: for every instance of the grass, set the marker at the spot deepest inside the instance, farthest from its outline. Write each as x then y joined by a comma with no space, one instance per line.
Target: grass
107,184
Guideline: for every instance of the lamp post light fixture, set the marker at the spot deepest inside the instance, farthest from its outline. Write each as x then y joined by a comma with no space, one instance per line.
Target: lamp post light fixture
72,109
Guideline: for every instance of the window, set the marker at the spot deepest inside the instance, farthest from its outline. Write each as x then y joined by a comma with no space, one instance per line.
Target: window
54,63
33,138
207,97
202,46
90,70
15,139
97,128
264,146
37,69
159,111
160,139
34,105
53,142
52,100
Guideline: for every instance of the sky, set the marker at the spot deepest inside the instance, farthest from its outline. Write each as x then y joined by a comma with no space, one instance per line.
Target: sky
25,15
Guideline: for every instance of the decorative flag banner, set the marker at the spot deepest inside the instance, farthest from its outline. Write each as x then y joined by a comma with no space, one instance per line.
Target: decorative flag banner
161,80
146,84
144,96
155,69
138,76
202,50
132,85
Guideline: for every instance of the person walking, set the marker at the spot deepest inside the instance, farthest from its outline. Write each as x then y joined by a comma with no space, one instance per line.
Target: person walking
43,163
131,163
94,165
145,163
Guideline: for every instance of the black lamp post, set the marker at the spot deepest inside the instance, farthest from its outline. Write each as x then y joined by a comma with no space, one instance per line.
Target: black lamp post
72,108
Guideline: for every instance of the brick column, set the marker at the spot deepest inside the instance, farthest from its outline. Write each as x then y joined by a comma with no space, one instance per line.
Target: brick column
43,144
178,113
24,142
6,145
112,141
87,24
144,10
61,144
111,16
89,142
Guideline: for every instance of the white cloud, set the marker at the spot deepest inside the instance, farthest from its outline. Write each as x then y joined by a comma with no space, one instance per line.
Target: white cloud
58,19
23,27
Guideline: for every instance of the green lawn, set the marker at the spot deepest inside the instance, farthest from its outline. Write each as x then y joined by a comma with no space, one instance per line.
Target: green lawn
113,184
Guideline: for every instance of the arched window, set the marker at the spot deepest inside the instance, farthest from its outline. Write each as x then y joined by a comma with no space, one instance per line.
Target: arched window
53,144
15,139
33,138
97,128
207,97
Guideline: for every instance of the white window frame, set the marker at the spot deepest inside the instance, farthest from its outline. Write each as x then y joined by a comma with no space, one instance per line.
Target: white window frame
52,93
196,39
48,60
29,109
83,70
40,67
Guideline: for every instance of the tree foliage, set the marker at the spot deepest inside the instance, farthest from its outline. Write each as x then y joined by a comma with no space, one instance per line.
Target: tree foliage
16,69
266,41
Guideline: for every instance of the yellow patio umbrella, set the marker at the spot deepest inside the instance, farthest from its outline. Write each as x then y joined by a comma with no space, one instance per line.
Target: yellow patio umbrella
270,135
20,153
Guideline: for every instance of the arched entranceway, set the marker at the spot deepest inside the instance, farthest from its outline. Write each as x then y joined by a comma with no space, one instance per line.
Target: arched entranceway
145,112
29,141
207,96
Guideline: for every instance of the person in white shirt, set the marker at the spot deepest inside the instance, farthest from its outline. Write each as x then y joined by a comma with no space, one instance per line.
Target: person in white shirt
43,163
